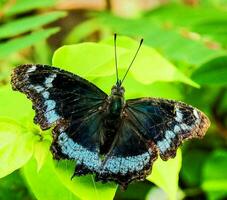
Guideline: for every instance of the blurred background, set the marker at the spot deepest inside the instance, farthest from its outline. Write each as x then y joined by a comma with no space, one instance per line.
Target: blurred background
191,34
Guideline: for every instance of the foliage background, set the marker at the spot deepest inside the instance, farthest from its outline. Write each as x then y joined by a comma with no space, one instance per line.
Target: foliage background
183,58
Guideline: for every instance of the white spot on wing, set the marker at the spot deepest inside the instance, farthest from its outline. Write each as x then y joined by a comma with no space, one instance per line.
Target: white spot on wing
196,113
37,88
46,94
127,164
51,116
48,80
179,115
50,104
79,153
32,69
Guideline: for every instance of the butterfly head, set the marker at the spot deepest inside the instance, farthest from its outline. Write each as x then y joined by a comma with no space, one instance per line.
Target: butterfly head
118,90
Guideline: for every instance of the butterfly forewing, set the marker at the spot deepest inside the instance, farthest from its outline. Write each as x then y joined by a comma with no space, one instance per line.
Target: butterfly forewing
166,122
56,94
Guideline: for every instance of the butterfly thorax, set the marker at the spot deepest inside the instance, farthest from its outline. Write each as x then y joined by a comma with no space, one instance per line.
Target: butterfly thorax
112,118
116,101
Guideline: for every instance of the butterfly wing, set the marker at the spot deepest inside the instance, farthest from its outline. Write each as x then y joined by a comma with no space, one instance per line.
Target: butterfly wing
166,122
130,158
150,126
68,102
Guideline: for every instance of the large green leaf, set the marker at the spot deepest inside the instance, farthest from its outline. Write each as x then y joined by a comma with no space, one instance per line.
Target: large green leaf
213,72
84,187
93,60
45,183
25,24
165,174
16,146
14,45
215,176
14,105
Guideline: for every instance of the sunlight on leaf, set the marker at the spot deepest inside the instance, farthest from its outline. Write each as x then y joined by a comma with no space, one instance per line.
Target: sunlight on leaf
45,183
165,174
16,146
15,105
92,60
41,151
84,187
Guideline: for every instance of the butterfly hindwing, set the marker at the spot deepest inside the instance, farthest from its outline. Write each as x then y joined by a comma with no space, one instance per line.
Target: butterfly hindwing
130,158
166,122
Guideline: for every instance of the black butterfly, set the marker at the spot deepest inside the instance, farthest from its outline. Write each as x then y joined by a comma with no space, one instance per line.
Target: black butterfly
114,139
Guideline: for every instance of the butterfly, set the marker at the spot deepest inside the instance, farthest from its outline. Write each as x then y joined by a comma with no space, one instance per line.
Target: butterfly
115,139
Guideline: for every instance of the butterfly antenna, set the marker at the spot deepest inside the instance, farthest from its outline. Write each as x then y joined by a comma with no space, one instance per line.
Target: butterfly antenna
141,42
115,53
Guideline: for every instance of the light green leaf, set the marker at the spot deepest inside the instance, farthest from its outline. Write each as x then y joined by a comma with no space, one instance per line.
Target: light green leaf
93,60
41,151
214,175
21,6
14,45
25,24
84,187
14,105
165,174
213,72
16,146
45,184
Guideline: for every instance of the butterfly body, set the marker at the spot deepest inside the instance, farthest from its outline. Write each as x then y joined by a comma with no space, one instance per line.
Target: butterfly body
113,138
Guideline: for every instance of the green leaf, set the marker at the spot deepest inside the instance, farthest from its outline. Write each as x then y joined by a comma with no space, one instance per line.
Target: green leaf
214,175
92,60
41,151
192,171
16,146
165,174
137,89
21,6
14,45
168,41
25,24
45,184
84,187
82,31
213,72
151,66
14,105
13,187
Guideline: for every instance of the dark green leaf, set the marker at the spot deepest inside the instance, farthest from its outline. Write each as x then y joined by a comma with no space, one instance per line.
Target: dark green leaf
213,72
215,176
